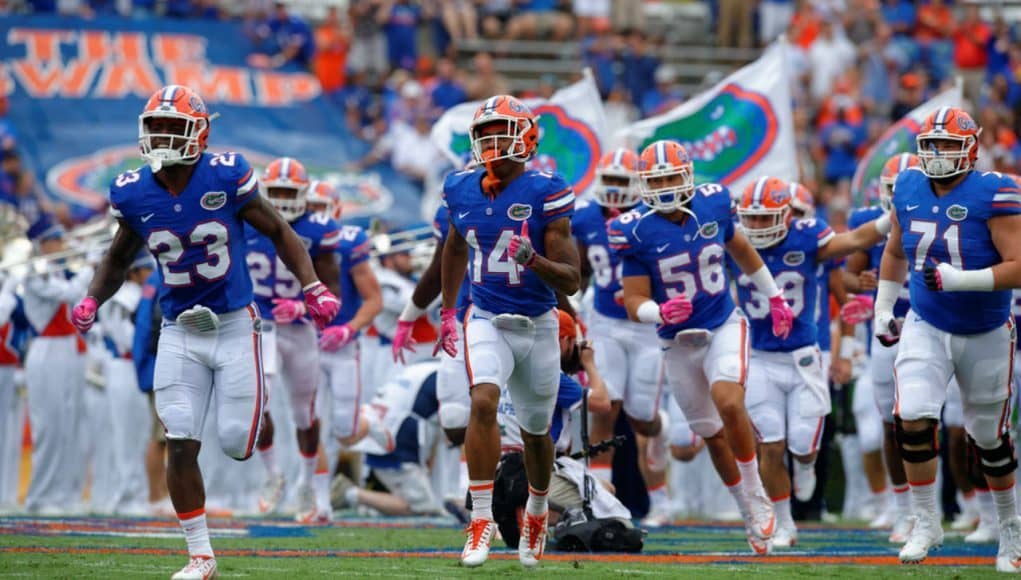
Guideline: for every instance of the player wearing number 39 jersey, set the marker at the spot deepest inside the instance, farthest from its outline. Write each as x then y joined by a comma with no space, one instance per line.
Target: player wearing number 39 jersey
673,275
511,229
188,207
958,232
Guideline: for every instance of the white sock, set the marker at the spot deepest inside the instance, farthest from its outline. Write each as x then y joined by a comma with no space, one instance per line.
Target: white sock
802,468
537,503
735,490
659,498
196,533
750,474
967,502
481,491
269,461
321,487
308,468
923,497
1006,506
986,505
782,507
902,498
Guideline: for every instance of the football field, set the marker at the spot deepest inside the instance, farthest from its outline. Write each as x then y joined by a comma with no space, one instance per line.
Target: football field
249,548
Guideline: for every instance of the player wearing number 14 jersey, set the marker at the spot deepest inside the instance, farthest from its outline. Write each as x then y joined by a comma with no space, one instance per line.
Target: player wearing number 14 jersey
189,207
674,276
957,235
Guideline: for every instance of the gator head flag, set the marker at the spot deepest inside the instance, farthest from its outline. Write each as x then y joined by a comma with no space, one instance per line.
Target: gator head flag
76,88
571,132
737,131
899,138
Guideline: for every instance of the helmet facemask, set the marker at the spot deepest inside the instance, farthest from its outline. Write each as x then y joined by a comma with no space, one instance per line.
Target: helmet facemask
287,198
940,164
667,194
165,146
508,143
764,236
616,189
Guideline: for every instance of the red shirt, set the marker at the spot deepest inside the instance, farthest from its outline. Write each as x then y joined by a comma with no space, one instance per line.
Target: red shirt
970,45
941,26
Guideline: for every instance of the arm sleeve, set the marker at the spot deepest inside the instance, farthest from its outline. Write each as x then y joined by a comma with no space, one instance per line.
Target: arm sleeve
359,249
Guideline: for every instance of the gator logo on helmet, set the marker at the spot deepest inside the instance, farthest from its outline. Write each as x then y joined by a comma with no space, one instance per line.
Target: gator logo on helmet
727,136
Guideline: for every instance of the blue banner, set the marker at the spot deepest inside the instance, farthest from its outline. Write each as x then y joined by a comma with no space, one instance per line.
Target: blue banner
76,88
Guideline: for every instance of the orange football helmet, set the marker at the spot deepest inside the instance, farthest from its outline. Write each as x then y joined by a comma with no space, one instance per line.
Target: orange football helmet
891,169
765,211
802,200
281,175
323,197
173,128
620,167
666,176
953,125
520,136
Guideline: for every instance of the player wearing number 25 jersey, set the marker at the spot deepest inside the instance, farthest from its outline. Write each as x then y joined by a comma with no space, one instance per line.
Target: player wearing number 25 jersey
958,232
674,276
188,208
510,227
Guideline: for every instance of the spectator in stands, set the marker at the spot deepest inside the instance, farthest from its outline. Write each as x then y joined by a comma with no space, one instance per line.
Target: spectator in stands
665,95
910,95
932,32
448,89
400,20
804,25
363,108
8,137
598,54
484,81
493,16
333,40
830,56
368,46
998,144
593,16
638,67
841,140
539,19
971,37
774,18
408,147
460,21
628,15
880,62
286,39
900,16
998,48
861,21
734,27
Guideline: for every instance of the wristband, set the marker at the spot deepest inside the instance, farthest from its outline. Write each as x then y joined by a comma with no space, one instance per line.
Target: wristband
411,312
886,296
764,282
648,311
968,280
846,348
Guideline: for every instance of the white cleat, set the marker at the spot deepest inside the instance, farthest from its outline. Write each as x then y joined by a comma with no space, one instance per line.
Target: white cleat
927,534
314,517
656,519
965,520
476,548
1008,557
657,453
884,520
761,518
987,532
903,522
804,483
198,568
785,537
533,539
272,493
761,547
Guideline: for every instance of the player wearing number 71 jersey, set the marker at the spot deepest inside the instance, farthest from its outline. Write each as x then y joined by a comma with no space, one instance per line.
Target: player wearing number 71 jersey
673,275
189,207
958,232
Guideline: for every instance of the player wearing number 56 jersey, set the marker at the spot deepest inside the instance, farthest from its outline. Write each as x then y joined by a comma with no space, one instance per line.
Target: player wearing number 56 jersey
188,207
511,228
787,393
674,276
289,339
957,234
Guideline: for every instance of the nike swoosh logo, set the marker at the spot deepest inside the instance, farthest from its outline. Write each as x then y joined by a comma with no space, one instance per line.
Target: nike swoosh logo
660,249
911,207
591,235
146,218
462,215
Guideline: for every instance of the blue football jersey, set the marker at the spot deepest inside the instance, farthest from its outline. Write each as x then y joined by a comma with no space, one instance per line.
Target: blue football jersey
953,229
589,227
197,236
353,248
863,216
498,283
794,265
441,227
685,257
270,277
822,305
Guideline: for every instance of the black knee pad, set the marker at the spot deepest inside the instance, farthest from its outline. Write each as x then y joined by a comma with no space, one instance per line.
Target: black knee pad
998,461
926,437
978,481
265,439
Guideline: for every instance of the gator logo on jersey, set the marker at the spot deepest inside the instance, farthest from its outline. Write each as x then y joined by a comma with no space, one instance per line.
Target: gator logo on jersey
213,200
519,212
794,258
957,212
709,230
900,138
806,361
725,137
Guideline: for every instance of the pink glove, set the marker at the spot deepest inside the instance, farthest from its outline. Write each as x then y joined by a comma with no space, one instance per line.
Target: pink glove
520,247
335,338
84,314
321,304
856,310
783,316
448,332
676,310
403,340
287,310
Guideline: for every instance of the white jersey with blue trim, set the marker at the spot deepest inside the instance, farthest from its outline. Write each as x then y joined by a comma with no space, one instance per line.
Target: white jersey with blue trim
953,229
196,236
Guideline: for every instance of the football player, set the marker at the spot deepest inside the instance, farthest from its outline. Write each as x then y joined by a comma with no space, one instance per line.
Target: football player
189,207
674,276
289,339
787,389
957,236
510,227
